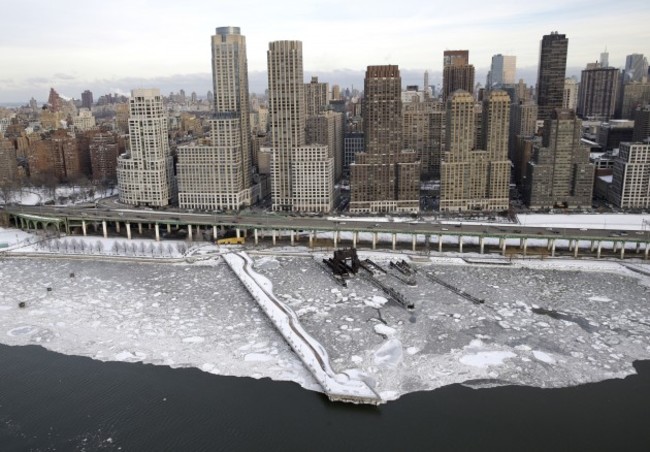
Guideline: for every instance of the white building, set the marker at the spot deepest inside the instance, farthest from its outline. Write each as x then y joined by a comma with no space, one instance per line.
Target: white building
84,120
631,176
145,175
218,173
302,177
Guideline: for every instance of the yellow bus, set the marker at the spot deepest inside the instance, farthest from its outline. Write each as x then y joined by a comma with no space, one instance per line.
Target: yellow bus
231,241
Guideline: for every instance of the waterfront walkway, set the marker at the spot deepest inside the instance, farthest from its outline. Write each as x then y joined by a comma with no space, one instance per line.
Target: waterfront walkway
338,387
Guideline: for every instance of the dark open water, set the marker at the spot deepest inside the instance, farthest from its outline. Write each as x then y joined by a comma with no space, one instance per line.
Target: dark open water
50,401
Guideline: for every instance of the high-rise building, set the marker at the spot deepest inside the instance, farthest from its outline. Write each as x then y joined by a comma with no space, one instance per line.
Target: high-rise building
604,58
551,73
218,173
641,132
145,176
559,172
384,178
87,99
104,151
630,187
317,97
597,93
636,67
471,178
327,128
457,73
302,176
352,145
422,128
502,71
570,96
523,126
635,95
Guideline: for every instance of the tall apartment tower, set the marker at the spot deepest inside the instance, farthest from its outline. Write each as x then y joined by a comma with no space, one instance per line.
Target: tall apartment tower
551,73
559,173
471,178
457,73
217,173
631,177
384,178
502,71
422,127
317,97
597,93
302,176
145,176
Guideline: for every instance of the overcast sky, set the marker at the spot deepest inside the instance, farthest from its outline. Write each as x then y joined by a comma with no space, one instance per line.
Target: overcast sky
116,45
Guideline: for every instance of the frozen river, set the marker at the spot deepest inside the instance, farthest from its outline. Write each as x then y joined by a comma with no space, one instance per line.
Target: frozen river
544,323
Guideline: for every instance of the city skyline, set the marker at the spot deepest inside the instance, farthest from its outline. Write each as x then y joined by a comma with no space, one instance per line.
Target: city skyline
106,48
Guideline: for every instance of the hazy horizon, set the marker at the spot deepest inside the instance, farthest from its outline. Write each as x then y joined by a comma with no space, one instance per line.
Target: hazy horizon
74,45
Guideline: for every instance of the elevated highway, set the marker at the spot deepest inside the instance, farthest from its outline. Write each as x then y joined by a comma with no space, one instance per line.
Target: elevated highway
373,233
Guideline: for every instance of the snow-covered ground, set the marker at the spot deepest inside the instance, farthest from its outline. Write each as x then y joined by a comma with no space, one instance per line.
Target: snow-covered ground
547,323
638,222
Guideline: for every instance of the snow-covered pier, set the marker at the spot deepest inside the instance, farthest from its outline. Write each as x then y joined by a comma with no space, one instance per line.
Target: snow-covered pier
337,386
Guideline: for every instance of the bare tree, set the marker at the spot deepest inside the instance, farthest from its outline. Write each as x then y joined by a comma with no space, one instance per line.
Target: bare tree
170,249
142,248
99,246
115,248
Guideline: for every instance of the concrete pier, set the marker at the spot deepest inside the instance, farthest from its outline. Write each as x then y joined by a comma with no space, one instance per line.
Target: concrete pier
338,387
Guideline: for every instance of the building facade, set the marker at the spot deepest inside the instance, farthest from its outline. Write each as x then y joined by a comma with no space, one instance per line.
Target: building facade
502,71
301,178
641,132
217,174
630,187
457,73
559,173
384,178
422,131
570,96
597,93
145,175
472,177
551,73
104,151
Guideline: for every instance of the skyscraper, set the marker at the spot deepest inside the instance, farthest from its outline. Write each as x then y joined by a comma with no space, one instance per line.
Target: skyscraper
302,177
457,73
384,178
636,67
551,73
317,97
597,93
502,71
559,173
217,174
476,178
145,176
